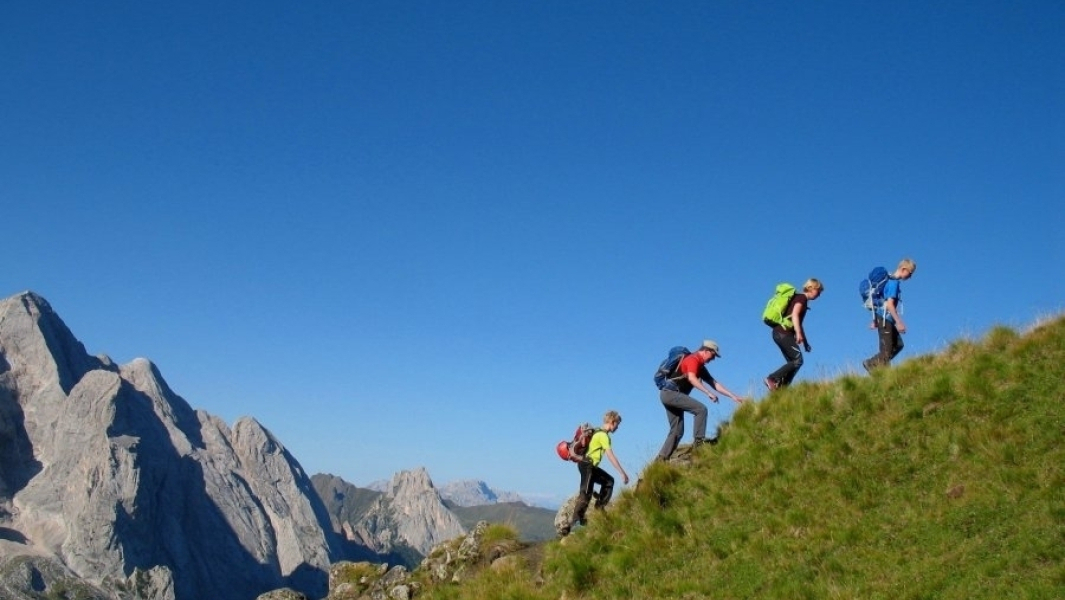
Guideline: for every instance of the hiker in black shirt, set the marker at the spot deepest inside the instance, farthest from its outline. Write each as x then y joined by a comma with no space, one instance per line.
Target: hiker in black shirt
789,339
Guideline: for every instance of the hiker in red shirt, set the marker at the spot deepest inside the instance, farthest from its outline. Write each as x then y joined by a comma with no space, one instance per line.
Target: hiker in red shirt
674,394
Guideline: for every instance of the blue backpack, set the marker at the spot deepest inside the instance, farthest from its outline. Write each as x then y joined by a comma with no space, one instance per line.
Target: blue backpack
667,370
871,288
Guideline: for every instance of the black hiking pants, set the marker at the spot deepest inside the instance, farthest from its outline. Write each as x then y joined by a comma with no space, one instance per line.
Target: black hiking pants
590,476
789,346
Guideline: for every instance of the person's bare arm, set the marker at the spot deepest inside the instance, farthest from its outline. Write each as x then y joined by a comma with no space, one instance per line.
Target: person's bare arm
796,320
617,464
693,378
724,390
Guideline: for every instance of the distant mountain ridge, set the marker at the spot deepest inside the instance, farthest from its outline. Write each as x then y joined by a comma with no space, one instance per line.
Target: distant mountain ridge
472,492
464,492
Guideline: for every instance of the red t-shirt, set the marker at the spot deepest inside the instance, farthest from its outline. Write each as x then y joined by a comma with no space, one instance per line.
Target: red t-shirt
692,364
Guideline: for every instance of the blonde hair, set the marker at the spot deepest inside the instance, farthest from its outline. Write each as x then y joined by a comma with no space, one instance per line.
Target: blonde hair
612,416
813,284
908,264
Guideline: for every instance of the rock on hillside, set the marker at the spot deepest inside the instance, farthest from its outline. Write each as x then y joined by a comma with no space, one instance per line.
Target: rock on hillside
110,478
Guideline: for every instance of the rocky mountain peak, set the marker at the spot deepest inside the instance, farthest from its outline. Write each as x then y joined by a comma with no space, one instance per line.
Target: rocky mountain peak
412,483
40,343
409,513
106,472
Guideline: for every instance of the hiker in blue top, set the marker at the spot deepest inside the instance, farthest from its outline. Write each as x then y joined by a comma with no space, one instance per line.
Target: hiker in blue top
887,317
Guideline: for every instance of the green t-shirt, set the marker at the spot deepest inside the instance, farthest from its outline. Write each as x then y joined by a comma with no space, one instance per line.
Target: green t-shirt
600,443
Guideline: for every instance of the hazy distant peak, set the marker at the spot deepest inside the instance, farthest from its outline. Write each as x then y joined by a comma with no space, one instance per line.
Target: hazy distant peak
465,492
471,492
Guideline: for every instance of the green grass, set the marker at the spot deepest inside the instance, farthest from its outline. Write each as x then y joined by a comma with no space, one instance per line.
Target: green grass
940,478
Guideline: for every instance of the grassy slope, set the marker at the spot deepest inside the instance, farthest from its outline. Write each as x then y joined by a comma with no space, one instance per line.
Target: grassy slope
942,477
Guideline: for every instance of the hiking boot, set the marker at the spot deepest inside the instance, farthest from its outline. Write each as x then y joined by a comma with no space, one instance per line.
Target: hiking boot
703,442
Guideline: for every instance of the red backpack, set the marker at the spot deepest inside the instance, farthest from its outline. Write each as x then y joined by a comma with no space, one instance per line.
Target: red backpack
576,448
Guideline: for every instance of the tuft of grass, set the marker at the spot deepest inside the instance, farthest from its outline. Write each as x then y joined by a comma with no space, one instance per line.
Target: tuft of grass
941,477
499,533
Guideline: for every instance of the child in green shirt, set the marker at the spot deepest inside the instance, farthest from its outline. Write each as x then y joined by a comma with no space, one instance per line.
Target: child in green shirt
592,474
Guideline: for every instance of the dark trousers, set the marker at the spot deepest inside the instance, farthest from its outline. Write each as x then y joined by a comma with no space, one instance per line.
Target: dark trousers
789,347
676,404
590,476
890,342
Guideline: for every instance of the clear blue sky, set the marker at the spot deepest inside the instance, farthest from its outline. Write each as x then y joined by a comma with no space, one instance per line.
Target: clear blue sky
440,234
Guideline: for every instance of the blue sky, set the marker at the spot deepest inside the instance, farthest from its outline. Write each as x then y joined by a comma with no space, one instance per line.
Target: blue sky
441,234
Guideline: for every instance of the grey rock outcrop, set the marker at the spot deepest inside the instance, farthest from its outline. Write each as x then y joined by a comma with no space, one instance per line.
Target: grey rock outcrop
108,476
564,516
450,562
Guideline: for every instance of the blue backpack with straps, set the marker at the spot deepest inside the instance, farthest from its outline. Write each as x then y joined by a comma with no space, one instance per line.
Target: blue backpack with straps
667,369
872,288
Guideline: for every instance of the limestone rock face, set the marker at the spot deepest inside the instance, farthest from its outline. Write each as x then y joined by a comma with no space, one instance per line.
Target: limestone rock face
109,476
410,512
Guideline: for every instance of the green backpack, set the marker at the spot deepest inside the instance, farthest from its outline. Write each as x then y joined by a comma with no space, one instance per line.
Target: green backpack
773,315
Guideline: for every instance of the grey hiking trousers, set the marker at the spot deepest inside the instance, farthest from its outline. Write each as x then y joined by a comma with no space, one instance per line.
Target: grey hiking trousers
676,405
890,343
